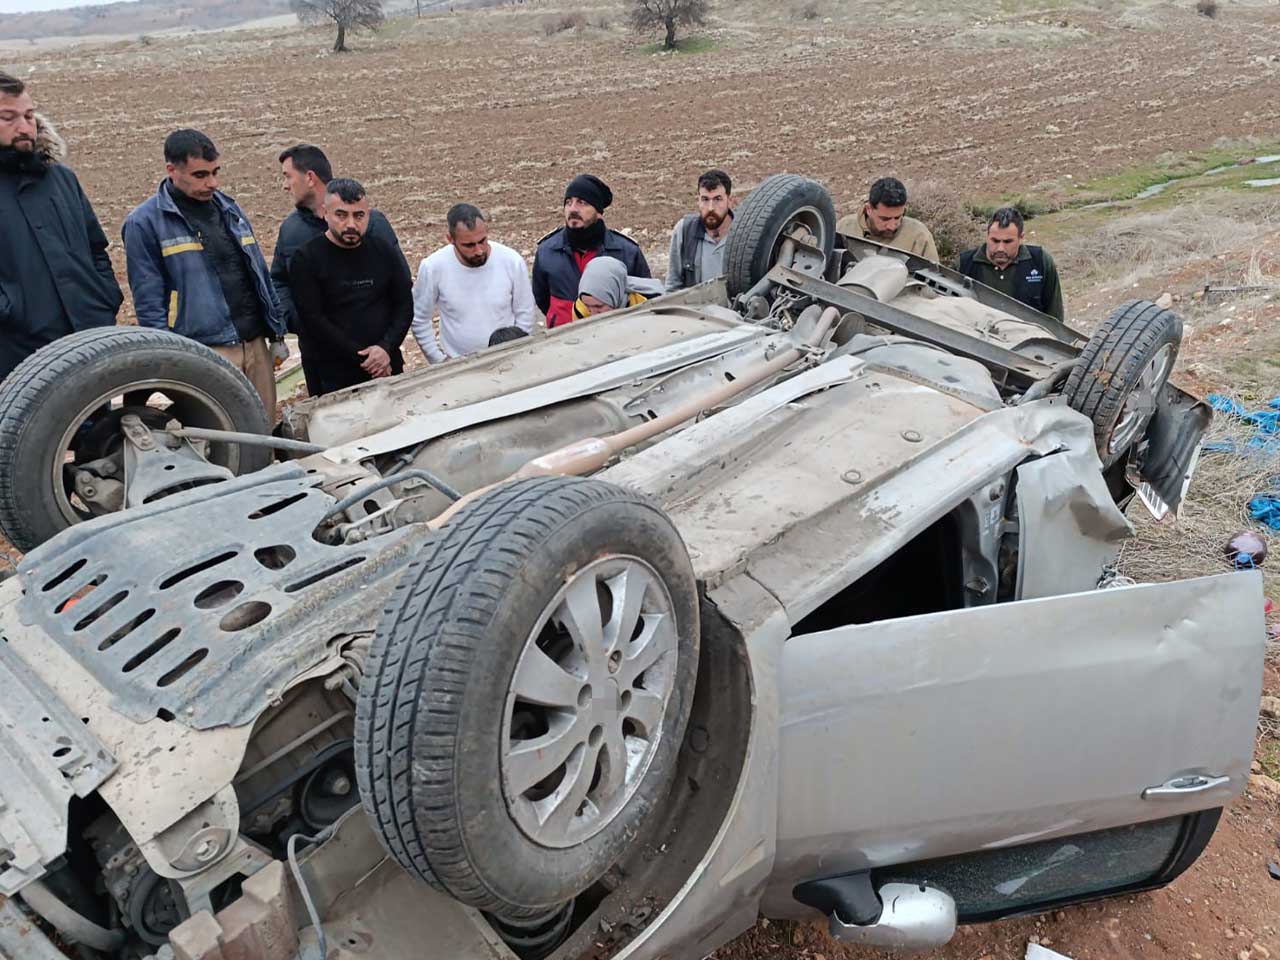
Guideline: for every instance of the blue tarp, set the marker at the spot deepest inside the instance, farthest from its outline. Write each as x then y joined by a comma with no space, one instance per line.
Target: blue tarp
1265,507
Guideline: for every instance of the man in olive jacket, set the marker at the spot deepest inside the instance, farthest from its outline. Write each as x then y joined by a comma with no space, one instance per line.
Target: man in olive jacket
55,275
883,219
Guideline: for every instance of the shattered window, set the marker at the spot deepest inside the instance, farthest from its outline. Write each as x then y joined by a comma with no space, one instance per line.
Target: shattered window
1076,867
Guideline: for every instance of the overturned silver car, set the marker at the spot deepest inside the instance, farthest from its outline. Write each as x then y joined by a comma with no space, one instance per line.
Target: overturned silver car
785,595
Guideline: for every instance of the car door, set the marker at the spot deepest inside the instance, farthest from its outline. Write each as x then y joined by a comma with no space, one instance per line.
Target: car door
1019,755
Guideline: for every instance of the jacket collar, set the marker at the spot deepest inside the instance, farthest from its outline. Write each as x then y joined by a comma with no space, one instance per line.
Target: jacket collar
864,227
167,204
559,240
981,255
49,144
309,217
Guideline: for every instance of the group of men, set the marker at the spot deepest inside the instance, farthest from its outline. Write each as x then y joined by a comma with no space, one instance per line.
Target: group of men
339,278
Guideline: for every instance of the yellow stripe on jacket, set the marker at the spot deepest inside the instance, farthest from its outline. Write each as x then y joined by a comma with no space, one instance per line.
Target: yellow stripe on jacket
581,311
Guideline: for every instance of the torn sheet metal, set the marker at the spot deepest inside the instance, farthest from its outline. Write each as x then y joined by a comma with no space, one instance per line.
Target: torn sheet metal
1069,526
47,756
1042,718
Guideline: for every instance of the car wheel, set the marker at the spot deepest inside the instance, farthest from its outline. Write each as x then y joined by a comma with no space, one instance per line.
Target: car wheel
527,691
60,413
1121,372
784,207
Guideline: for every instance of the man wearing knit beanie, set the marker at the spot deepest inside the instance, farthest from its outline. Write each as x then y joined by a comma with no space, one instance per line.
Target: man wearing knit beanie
564,253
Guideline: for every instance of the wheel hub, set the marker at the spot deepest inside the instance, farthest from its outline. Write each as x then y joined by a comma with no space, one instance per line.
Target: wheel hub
584,711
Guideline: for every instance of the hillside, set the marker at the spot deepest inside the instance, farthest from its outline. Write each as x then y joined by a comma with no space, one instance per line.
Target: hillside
133,17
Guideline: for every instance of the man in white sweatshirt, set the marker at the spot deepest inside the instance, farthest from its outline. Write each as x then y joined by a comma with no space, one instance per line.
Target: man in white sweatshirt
477,285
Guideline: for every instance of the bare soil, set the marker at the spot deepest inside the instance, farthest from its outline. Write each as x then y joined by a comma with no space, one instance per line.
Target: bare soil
989,100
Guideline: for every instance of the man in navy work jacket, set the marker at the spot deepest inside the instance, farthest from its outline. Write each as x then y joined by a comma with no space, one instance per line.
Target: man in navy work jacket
195,266
565,253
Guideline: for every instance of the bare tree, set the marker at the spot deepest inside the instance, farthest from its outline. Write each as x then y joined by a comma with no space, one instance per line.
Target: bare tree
647,14
346,14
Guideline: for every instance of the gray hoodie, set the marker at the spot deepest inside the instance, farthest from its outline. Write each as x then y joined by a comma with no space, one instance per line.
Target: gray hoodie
605,278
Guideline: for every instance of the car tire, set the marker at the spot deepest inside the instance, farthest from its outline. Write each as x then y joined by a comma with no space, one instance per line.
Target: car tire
1121,372
42,399
758,227
458,713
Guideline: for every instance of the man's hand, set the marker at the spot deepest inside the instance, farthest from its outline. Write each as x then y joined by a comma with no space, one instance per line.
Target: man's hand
377,362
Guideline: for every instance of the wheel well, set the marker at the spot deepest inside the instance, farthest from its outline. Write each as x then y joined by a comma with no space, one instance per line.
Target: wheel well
707,773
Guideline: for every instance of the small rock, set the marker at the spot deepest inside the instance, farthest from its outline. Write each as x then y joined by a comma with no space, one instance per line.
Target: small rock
1255,767
1165,301
1270,708
1051,128
1260,950
1242,955
1229,933
1264,785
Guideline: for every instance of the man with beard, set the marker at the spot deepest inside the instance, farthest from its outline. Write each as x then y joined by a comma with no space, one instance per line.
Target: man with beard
697,241
55,275
195,266
353,297
305,171
1019,270
478,285
563,254
883,219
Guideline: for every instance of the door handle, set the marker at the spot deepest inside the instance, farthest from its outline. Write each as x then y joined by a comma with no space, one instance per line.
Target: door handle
1184,786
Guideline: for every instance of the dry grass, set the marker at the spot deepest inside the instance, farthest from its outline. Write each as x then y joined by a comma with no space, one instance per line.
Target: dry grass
1159,242
563,22
1216,507
948,217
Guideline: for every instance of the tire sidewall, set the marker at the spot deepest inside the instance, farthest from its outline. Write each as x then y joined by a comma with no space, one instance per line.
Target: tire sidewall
762,217
1107,430
530,874
50,407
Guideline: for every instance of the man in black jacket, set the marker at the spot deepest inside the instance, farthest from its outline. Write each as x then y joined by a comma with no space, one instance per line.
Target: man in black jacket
352,296
55,275
306,172
1019,270
563,254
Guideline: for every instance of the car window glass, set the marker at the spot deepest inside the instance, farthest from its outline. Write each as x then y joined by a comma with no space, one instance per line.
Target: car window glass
1002,881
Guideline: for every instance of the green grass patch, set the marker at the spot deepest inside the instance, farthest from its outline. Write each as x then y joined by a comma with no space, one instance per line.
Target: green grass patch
1191,169
694,44
1269,757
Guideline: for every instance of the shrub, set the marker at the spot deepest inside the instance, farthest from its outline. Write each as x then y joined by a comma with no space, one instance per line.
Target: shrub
810,11
562,22
1207,8
948,217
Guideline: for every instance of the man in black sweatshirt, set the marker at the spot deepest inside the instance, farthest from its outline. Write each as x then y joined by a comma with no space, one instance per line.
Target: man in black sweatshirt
352,295
305,171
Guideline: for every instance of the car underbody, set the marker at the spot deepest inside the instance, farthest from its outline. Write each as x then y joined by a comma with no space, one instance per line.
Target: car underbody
909,650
